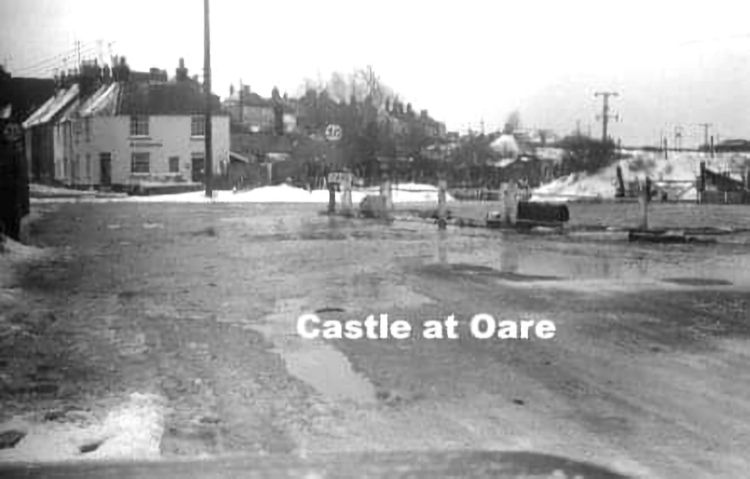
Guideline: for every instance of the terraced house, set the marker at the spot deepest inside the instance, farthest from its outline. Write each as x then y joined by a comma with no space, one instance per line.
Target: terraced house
125,130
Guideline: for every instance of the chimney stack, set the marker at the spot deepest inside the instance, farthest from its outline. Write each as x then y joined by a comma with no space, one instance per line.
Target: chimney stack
181,74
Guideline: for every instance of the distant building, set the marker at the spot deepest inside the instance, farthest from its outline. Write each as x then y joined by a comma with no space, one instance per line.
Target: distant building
125,132
256,114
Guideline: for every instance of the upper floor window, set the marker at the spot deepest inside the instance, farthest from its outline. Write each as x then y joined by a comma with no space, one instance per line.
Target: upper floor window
138,125
198,125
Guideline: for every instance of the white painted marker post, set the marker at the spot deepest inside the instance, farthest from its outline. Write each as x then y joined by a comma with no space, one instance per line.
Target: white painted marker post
346,194
510,203
442,221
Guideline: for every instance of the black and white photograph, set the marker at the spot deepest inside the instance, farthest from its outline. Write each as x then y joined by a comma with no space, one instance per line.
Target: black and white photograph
327,239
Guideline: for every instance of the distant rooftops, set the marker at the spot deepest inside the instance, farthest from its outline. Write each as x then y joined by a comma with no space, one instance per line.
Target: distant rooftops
93,91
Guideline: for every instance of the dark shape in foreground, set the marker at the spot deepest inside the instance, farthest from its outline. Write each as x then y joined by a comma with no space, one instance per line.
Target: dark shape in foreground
329,310
698,281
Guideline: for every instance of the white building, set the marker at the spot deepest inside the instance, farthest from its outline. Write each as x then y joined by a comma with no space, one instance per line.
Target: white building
129,133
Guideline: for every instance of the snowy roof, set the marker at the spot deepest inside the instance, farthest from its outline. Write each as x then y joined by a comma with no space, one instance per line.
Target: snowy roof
505,144
238,157
102,102
52,107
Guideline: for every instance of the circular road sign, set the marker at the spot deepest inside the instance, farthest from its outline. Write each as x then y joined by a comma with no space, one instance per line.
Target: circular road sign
334,132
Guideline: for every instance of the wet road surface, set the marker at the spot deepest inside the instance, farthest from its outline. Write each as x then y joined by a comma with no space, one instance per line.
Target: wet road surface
196,305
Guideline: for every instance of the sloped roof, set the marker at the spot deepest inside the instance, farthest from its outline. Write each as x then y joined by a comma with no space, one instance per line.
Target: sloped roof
506,144
24,95
52,107
101,102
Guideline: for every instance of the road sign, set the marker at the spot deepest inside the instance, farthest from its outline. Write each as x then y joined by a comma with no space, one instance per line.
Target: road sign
333,132
339,177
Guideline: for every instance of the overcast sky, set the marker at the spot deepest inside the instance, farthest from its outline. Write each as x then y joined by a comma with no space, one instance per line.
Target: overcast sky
673,63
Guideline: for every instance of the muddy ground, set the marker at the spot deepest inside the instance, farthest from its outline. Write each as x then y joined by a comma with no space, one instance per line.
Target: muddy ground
192,309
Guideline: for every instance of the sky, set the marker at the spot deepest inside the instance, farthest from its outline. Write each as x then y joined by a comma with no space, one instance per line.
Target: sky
469,62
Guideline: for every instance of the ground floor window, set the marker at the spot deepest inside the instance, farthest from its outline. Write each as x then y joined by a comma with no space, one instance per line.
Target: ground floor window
174,164
140,162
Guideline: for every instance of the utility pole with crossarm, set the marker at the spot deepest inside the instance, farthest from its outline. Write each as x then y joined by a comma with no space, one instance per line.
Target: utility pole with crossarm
606,116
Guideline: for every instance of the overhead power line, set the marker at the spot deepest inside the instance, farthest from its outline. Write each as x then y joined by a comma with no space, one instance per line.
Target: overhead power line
65,54
52,66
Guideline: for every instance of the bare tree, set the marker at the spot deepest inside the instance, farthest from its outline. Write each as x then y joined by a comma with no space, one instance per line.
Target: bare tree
513,122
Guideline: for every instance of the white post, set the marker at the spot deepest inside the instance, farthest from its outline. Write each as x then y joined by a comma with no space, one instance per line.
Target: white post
509,203
442,186
386,192
346,195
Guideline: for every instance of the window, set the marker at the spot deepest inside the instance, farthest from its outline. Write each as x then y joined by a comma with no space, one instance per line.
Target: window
140,163
87,128
174,164
198,126
77,130
139,125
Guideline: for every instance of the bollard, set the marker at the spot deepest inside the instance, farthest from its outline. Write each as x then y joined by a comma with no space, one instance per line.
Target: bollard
331,198
346,195
509,203
385,195
442,221
386,192
643,199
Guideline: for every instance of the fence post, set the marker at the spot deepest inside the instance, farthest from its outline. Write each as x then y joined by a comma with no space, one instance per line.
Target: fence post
509,203
386,192
331,198
346,195
643,199
442,221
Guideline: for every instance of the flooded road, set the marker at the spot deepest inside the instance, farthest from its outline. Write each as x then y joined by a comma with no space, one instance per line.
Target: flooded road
195,307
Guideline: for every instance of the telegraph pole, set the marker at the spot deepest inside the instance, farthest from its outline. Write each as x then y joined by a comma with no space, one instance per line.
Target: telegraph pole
605,116
208,169
242,106
678,137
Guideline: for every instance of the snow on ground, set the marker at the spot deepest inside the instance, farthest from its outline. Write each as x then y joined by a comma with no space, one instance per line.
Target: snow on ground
402,193
37,190
682,167
131,431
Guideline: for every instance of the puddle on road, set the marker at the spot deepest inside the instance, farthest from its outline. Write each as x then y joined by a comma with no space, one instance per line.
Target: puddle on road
518,261
313,361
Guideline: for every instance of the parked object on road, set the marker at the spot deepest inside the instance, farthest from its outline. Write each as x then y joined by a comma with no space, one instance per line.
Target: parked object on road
541,214
373,206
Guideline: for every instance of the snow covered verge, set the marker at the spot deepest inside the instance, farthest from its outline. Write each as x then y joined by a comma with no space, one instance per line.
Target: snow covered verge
37,190
678,172
129,431
402,193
